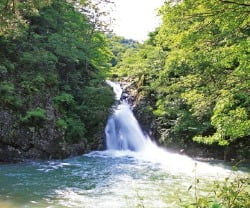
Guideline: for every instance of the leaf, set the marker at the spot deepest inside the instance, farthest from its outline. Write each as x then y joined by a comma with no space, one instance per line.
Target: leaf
189,188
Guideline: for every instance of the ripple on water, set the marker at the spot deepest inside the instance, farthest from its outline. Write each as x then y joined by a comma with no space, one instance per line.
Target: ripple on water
100,180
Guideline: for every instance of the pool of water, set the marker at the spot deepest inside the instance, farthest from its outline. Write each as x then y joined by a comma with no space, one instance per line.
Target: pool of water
108,179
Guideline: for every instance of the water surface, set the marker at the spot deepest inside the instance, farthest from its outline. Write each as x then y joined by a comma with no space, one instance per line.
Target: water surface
119,179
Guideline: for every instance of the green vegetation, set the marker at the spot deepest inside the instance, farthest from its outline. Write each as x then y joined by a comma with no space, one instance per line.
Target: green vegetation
52,64
35,117
192,76
7,95
231,192
118,46
193,73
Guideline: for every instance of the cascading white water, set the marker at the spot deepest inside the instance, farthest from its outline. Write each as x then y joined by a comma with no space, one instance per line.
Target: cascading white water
124,133
112,178
116,88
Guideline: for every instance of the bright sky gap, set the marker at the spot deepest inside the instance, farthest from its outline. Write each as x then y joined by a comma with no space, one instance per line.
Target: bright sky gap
135,18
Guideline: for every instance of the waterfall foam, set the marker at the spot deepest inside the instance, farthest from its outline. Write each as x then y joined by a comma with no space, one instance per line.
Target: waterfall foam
122,130
116,89
124,133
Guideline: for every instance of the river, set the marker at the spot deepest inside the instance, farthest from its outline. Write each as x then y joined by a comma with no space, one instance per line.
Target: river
132,172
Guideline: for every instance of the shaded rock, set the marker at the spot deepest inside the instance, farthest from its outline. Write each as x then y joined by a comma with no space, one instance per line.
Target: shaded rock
160,130
19,142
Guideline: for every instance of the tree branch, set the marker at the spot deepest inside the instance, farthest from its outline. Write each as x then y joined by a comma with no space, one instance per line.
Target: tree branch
233,2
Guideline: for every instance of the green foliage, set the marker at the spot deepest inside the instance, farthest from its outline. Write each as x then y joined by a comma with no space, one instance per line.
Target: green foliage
3,69
95,106
35,117
51,80
231,193
61,124
102,96
118,46
32,82
13,13
194,72
64,101
51,54
6,89
230,119
75,129
39,59
7,95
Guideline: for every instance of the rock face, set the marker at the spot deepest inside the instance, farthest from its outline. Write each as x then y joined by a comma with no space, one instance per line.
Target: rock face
136,99
160,132
19,142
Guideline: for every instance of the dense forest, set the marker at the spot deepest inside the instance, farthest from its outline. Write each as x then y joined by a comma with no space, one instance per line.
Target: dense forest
192,76
188,85
53,100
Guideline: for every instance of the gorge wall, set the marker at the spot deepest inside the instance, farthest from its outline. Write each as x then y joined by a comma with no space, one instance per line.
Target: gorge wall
161,131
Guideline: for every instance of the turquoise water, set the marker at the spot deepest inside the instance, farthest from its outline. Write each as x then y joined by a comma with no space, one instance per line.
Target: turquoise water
117,178
109,179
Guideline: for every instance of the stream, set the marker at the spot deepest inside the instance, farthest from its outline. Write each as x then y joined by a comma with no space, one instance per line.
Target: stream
132,172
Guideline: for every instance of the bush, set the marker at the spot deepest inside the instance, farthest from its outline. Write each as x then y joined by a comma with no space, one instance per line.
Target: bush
75,130
96,104
33,83
63,101
51,80
233,192
7,95
61,124
3,69
39,81
35,117
6,88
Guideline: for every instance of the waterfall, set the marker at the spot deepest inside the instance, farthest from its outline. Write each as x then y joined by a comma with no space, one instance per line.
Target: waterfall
124,133
116,89
122,130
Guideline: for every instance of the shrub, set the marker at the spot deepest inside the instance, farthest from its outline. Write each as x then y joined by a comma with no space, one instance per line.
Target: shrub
51,80
3,69
61,124
7,95
233,192
39,81
6,88
95,106
63,101
35,117
75,130
33,83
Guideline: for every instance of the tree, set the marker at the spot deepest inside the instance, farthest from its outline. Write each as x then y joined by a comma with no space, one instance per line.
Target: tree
201,84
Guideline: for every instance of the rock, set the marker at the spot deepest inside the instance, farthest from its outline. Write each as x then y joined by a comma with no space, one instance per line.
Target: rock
159,131
19,142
